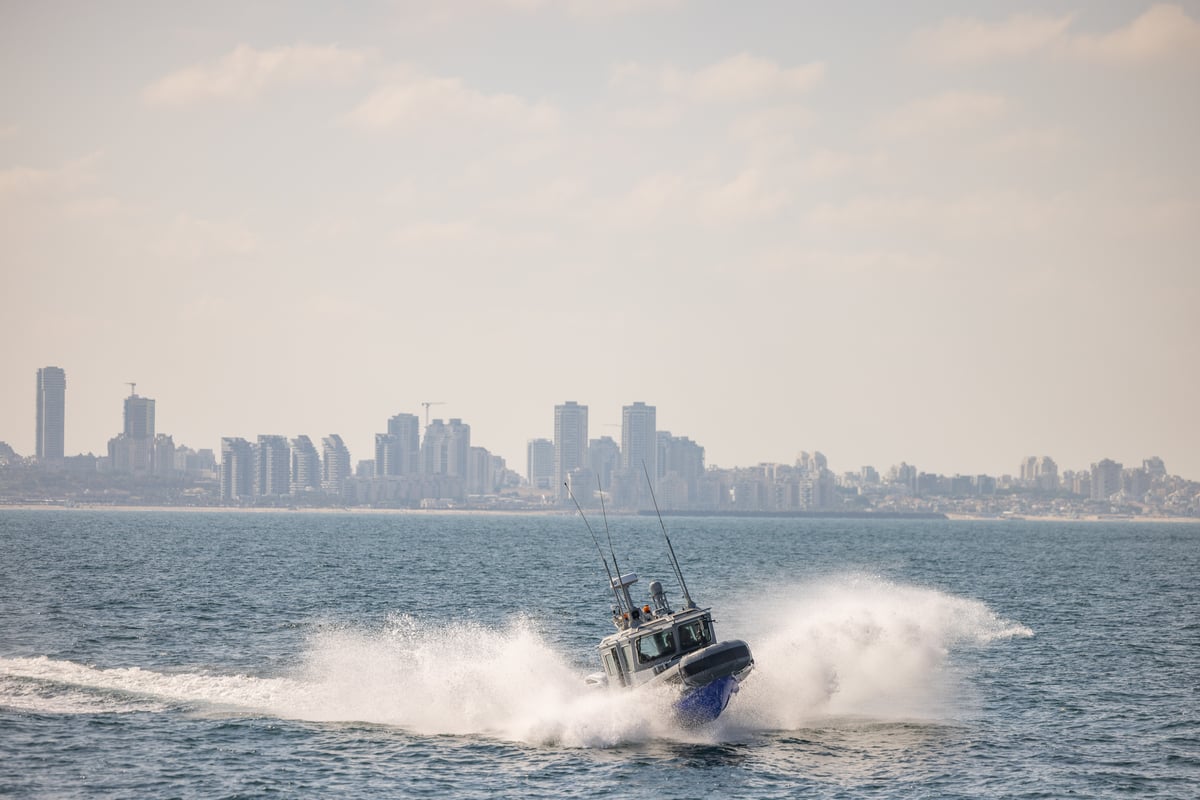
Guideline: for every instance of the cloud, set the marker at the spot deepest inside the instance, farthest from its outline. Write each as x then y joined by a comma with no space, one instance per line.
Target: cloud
592,8
26,184
1027,141
947,112
1163,32
968,216
414,99
746,196
247,73
825,163
192,238
968,41
435,233
735,79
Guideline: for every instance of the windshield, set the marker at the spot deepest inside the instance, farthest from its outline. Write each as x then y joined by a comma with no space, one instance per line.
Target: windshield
655,646
694,635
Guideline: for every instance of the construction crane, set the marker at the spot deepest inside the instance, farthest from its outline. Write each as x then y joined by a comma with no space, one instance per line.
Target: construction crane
132,388
427,404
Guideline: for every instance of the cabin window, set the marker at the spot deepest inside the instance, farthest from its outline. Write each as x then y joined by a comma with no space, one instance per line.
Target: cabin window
611,666
694,635
655,646
626,654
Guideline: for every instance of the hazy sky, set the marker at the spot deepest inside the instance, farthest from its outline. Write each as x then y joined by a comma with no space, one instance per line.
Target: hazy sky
955,234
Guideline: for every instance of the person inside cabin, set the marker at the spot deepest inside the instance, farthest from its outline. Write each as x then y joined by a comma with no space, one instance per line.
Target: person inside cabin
655,646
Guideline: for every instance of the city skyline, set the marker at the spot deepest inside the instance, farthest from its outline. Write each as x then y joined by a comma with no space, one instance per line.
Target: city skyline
954,236
403,450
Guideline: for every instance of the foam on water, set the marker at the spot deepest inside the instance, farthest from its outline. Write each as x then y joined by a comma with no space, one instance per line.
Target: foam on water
860,647
848,647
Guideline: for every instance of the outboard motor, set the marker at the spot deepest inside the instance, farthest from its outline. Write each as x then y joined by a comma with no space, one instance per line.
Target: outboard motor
659,598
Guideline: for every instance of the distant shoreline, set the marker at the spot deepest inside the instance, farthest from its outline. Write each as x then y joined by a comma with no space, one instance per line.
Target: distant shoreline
857,515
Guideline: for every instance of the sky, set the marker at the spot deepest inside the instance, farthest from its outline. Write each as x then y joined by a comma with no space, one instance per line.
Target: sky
954,234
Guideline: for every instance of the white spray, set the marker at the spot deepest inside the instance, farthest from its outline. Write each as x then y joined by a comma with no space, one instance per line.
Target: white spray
847,647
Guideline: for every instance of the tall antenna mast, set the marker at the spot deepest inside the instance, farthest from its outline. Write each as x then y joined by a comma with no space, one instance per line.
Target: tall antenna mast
611,583
607,532
671,550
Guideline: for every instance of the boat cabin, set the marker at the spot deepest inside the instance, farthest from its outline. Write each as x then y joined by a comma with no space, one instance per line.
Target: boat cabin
650,640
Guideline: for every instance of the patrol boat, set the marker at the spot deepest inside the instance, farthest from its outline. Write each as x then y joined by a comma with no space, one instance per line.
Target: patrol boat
656,645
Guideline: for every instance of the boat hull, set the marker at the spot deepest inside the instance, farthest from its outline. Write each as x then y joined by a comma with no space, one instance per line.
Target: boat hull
703,704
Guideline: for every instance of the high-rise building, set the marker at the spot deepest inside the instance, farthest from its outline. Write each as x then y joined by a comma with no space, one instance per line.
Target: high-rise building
444,450
407,430
273,466
604,456
639,443
133,450
335,465
162,461
570,442
539,461
1155,467
387,455
1106,479
681,457
237,469
139,417
481,476
639,455
1046,478
51,413
306,466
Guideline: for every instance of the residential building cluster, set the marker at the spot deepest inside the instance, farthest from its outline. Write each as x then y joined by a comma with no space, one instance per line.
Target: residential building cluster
435,465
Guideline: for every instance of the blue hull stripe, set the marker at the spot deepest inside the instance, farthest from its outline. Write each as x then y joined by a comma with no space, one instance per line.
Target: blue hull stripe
705,703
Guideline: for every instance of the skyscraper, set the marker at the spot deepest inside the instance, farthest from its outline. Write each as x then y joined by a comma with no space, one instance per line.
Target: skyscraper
539,458
132,450
570,442
237,469
139,417
273,466
335,465
444,450
51,413
639,442
604,457
1106,479
407,430
306,466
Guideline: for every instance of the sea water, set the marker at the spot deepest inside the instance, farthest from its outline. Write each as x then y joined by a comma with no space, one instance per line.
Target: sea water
193,654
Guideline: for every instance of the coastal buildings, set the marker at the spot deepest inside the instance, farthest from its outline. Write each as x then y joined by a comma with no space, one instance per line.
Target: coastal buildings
570,444
539,461
133,450
1106,479
444,450
273,466
51,414
639,456
306,466
444,470
237,469
335,464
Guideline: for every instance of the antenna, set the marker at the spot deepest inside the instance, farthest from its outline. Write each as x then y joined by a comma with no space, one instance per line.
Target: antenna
671,550
427,404
607,532
132,388
612,584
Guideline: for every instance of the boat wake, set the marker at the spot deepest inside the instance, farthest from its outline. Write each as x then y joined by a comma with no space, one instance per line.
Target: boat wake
847,648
